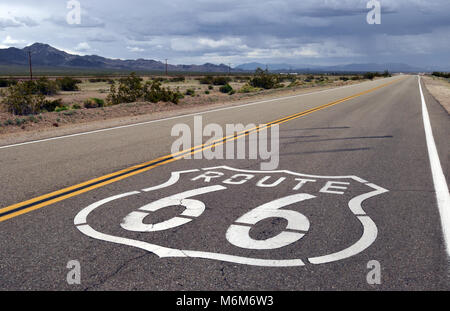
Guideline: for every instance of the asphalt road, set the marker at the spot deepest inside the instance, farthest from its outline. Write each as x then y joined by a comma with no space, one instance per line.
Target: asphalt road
354,185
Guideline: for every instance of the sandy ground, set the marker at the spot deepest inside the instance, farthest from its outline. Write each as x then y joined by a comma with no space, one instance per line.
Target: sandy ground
440,89
75,121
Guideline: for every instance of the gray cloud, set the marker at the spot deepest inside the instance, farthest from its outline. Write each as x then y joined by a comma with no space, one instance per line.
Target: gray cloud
237,31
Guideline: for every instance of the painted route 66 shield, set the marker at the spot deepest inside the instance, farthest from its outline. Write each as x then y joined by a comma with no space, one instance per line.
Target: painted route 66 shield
260,218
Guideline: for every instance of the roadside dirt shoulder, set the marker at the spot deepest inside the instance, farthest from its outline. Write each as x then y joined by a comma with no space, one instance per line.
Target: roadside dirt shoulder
440,89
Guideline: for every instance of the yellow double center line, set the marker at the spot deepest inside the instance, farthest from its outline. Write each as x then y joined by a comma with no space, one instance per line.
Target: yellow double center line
60,195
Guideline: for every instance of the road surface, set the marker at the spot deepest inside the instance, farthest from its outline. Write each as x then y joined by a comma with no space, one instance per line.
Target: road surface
354,189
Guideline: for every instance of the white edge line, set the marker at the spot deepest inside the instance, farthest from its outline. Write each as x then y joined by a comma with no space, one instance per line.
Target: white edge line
440,183
176,117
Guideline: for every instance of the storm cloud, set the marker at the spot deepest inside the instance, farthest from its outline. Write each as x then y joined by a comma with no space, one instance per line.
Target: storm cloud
237,31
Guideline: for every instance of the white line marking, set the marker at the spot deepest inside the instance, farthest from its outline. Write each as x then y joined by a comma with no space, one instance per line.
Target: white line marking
175,117
440,183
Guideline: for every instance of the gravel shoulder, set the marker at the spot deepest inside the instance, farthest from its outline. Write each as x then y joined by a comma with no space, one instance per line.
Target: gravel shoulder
440,89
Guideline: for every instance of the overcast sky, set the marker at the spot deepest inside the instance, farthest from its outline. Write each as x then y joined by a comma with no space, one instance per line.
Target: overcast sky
322,32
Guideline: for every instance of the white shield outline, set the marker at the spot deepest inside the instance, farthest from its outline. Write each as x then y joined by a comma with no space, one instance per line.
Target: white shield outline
368,237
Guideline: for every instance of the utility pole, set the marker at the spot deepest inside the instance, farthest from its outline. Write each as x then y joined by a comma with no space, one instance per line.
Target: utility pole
31,67
229,68
167,68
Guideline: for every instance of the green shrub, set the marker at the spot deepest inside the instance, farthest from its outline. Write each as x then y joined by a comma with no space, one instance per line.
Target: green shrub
226,88
369,75
20,99
51,105
131,89
190,92
207,92
210,87
221,80
178,79
76,106
7,82
263,79
247,88
62,108
44,86
94,103
441,74
68,84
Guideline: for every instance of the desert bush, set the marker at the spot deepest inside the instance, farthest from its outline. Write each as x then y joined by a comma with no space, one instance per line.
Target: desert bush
43,86
206,80
263,79
221,80
94,103
7,82
68,84
61,108
76,106
178,79
190,92
154,92
131,89
247,88
369,75
226,88
20,99
51,105
441,74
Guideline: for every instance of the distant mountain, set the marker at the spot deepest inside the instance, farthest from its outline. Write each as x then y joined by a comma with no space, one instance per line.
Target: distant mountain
392,67
46,56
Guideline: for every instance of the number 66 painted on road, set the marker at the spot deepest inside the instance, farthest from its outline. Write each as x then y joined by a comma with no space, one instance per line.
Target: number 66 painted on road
238,234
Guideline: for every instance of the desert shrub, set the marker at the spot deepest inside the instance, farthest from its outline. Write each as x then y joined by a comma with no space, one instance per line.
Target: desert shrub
68,84
386,74
369,75
247,88
20,99
51,105
442,74
130,89
207,92
343,79
190,92
43,86
355,78
226,88
206,80
154,92
99,80
94,103
221,80
178,79
7,82
210,87
61,108
76,106
263,79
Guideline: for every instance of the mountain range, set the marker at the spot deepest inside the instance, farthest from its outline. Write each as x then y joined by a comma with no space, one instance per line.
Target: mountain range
43,55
